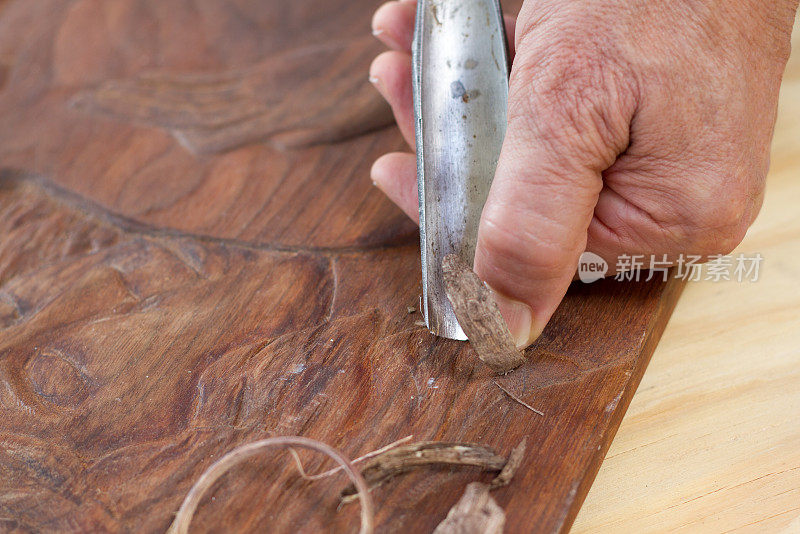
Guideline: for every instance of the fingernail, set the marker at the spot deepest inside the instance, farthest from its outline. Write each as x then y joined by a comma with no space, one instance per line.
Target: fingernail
376,82
519,318
389,39
375,177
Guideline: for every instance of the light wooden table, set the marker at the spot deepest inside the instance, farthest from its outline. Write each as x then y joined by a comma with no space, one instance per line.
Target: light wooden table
711,442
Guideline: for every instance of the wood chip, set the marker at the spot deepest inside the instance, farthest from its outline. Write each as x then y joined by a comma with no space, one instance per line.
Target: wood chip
386,465
475,513
479,316
513,463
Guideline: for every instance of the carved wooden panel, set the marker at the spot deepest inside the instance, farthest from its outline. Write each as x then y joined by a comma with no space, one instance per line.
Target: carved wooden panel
192,256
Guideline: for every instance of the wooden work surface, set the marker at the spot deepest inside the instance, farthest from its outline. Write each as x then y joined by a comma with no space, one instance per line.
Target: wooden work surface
711,442
192,257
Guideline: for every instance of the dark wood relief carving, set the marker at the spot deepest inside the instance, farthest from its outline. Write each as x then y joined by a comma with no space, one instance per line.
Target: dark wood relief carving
159,306
298,98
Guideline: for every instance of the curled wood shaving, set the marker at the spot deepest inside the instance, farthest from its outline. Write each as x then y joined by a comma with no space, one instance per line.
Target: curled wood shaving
184,516
479,316
513,463
335,470
383,467
475,513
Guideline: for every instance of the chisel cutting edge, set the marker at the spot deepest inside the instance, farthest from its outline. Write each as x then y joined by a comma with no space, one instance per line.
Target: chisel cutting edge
460,81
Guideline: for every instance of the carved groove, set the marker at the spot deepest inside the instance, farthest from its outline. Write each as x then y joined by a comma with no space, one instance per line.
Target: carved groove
317,94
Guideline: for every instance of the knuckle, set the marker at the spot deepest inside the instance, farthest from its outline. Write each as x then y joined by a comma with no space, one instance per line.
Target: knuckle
708,210
725,215
707,242
718,228
572,92
722,242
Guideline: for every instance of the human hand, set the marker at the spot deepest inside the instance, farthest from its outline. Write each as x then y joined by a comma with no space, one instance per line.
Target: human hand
634,127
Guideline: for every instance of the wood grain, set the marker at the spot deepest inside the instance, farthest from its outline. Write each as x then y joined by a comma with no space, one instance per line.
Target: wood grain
298,98
160,305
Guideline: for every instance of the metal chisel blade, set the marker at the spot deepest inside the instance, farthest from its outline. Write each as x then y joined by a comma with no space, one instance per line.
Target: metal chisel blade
460,80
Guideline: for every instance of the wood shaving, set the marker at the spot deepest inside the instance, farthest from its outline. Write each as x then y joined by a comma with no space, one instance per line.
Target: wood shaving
475,513
479,316
389,464
184,516
335,470
510,469
517,399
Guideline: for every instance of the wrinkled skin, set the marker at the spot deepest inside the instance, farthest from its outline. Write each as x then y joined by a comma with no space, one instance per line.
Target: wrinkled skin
634,127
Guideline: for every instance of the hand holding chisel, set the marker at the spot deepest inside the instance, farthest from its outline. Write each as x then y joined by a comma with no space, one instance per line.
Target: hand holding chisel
633,129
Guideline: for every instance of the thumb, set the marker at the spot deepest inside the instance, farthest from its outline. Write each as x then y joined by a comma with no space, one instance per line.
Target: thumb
568,119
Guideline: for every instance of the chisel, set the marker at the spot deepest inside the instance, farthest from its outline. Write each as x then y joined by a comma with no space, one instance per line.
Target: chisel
460,83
